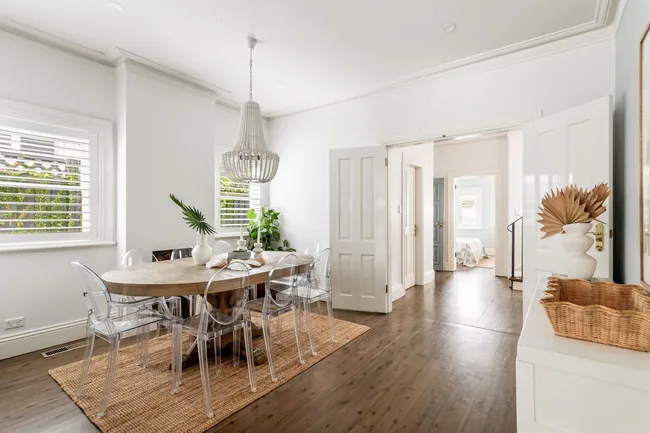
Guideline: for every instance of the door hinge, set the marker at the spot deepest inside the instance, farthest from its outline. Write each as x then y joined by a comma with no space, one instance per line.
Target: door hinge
386,162
386,288
611,233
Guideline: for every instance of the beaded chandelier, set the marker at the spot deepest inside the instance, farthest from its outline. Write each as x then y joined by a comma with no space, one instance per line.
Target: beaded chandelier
250,160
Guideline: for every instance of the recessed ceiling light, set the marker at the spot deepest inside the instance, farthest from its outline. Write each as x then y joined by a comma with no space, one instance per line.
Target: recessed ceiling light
115,6
448,27
465,137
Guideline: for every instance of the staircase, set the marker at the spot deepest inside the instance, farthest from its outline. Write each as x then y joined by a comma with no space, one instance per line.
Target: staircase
516,240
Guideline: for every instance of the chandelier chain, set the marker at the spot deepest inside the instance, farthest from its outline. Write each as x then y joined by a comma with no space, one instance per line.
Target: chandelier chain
250,75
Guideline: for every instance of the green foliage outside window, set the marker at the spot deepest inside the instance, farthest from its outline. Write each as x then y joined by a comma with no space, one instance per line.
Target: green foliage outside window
29,207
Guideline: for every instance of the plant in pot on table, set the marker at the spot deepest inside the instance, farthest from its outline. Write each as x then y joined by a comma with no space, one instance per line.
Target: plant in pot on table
265,227
571,211
194,218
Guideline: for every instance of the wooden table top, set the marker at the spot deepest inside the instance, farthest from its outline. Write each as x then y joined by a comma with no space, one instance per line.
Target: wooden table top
183,277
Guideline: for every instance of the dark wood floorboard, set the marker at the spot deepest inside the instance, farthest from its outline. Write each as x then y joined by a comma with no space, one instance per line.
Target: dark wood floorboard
443,361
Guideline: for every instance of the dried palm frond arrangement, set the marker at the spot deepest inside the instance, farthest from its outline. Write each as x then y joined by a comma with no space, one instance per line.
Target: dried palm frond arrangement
571,205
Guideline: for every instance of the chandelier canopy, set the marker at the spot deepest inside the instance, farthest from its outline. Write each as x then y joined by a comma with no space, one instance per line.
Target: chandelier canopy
250,160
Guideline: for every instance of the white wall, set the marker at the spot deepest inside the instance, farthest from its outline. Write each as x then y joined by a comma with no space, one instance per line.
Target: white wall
166,137
455,102
39,285
169,142
488,209
421,157
627,262
471,158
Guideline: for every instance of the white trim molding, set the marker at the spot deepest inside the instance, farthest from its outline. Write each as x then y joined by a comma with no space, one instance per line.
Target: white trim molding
397,291
429,276
38,339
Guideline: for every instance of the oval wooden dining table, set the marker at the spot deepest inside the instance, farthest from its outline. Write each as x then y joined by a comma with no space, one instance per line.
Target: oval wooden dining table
182,277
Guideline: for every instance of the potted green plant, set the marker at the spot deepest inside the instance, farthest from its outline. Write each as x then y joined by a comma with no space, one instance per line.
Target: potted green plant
194,218
267,222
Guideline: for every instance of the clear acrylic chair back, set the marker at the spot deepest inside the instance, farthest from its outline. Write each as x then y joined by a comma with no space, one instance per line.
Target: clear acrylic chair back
98,300
138,256
181,251
221,247
240,295
320,271
276,292
310,247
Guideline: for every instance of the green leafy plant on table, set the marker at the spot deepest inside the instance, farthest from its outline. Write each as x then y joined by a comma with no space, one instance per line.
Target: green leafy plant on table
193,217
269,226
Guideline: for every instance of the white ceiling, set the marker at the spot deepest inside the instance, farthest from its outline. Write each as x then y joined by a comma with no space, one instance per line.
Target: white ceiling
311,52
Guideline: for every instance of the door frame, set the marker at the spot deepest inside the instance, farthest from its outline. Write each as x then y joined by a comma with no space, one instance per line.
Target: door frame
500,216
418,240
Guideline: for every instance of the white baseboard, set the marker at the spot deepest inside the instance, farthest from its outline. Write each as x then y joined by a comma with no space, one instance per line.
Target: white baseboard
429,276
42,338
397,291
502,272
490,251
37,339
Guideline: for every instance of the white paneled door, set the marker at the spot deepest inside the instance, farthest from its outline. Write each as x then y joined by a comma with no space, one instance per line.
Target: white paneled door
570,147
358,229
409,226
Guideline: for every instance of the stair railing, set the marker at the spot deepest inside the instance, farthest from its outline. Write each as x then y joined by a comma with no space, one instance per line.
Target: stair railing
512,228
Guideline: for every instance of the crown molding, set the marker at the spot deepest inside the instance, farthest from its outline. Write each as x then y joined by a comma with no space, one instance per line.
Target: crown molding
559,42
14,28
607,17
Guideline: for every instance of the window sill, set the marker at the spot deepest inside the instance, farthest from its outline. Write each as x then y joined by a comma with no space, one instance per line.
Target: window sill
43,246
229,236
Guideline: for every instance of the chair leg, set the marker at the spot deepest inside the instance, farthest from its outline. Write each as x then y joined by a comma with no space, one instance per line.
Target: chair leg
296,325
177,356
205,379
330,313
113,351
217,353
307,308
88,354
267,342
236,345
278,330
248,342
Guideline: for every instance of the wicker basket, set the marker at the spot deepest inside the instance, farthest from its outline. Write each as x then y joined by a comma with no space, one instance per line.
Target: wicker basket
606,313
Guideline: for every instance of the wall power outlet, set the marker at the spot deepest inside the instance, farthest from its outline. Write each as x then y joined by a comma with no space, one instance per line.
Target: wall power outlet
14,323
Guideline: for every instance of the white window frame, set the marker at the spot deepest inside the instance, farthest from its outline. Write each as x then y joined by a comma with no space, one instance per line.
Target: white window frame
102,176
477,191
230,232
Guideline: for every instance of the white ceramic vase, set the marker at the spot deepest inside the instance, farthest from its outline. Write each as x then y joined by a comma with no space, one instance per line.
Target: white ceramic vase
577,242
202,252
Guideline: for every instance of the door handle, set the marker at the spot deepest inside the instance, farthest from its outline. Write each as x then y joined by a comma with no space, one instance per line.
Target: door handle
600,237
441,224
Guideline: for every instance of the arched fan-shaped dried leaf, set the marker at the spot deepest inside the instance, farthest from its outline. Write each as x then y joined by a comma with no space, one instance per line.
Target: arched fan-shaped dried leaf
561,207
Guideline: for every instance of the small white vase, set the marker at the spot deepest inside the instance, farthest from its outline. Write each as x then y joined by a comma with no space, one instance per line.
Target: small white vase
577,242
202,252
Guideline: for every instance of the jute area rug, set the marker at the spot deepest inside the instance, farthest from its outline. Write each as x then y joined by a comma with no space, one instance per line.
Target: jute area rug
141,400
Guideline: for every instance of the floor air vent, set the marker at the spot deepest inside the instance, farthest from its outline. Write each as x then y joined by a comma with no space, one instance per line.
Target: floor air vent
63,349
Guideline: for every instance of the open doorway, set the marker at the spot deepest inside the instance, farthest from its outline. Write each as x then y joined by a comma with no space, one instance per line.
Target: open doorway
475,221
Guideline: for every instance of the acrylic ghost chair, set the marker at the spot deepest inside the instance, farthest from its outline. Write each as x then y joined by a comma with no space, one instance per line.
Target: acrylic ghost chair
310,247
213,324
316,287
278,300
103,322
139,256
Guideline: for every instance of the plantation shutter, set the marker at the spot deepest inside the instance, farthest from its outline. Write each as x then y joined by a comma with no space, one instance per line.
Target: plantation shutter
235,199
44,182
